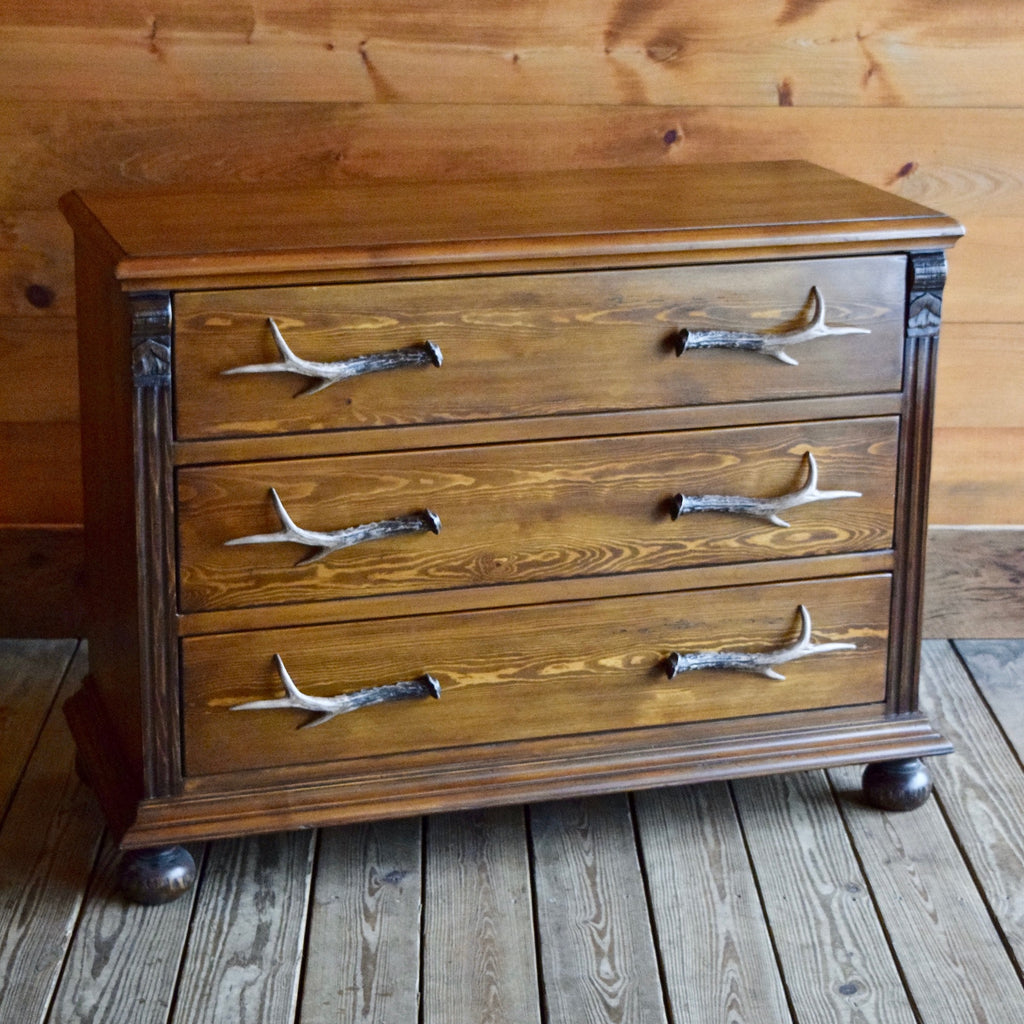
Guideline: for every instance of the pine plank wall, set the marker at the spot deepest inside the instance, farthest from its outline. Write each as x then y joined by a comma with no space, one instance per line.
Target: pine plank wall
923,98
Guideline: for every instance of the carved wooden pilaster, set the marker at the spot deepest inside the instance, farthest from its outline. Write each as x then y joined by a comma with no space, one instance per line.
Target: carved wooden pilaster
926,277
151,339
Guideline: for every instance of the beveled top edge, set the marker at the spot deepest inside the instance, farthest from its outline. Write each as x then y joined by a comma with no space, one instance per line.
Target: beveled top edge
782,208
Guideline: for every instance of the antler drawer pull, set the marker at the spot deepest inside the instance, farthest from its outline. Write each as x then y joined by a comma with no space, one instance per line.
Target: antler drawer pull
770,344
759,664
760,508
327,707
325,374
326,543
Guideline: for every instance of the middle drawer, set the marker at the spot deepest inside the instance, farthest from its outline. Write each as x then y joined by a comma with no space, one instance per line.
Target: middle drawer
439,519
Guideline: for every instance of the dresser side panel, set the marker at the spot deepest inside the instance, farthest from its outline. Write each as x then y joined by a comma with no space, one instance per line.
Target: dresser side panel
112,594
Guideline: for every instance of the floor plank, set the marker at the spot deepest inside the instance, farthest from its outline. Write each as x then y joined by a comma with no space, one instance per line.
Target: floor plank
951,954
835,958
997,667
32,672
478,942
246,945
48,846
981,789
124,960
363,960
715,949
597,951
772,900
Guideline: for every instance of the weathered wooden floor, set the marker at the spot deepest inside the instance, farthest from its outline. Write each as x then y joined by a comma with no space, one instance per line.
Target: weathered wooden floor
764,901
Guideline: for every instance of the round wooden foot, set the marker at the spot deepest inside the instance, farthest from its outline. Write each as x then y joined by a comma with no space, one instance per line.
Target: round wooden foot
160,875
897,785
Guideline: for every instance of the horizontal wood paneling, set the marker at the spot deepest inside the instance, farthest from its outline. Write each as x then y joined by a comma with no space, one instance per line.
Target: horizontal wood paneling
878,52
51,146
977,477
39,357
973,583
915,97
42,462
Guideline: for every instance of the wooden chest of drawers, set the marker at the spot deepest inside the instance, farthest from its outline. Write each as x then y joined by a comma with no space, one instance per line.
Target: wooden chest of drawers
628,468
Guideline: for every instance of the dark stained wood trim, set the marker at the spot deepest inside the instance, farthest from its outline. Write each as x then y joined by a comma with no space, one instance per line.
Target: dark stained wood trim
926,276
154,529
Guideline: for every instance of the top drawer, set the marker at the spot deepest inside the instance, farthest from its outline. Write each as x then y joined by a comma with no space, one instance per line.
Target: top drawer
532,345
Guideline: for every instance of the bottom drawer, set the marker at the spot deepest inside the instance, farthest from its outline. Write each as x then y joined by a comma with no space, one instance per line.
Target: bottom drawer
537,671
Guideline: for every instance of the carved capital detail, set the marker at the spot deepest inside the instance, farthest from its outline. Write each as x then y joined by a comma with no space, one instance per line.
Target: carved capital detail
927,272
151,340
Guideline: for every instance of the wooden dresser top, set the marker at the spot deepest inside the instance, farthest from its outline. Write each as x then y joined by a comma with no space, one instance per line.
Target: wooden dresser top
579,218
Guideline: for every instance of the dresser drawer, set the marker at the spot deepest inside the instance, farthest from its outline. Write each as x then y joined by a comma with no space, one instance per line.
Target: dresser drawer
533,511
509,674
531,345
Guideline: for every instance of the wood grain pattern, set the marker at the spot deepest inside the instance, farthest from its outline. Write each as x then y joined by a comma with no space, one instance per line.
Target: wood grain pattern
243,959
950,951
44,458
971,586
581,508
714,946
514,686
48,844
478,941
596,950
982,790
977,479
330,93
528,346
505,674
55,145
610,216
124,961
104,944
32,673
973,583
832,951
40,352
362,962
890,54
995,667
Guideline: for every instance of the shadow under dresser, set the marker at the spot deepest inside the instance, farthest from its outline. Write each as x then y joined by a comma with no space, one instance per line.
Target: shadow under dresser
405,497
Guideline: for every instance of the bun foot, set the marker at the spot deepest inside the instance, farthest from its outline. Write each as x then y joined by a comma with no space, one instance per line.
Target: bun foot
897,785
153,876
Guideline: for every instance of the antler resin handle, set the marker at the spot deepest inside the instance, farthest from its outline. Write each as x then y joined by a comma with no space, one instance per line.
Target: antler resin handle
325,374
757,663
327,708
760,508
769,344
326,543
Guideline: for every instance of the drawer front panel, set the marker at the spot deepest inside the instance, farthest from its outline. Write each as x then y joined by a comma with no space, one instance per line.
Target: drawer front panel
532,345
533,512
512,674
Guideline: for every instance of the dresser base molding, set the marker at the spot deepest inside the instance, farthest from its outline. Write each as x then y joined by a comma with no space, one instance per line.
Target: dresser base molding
217,807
